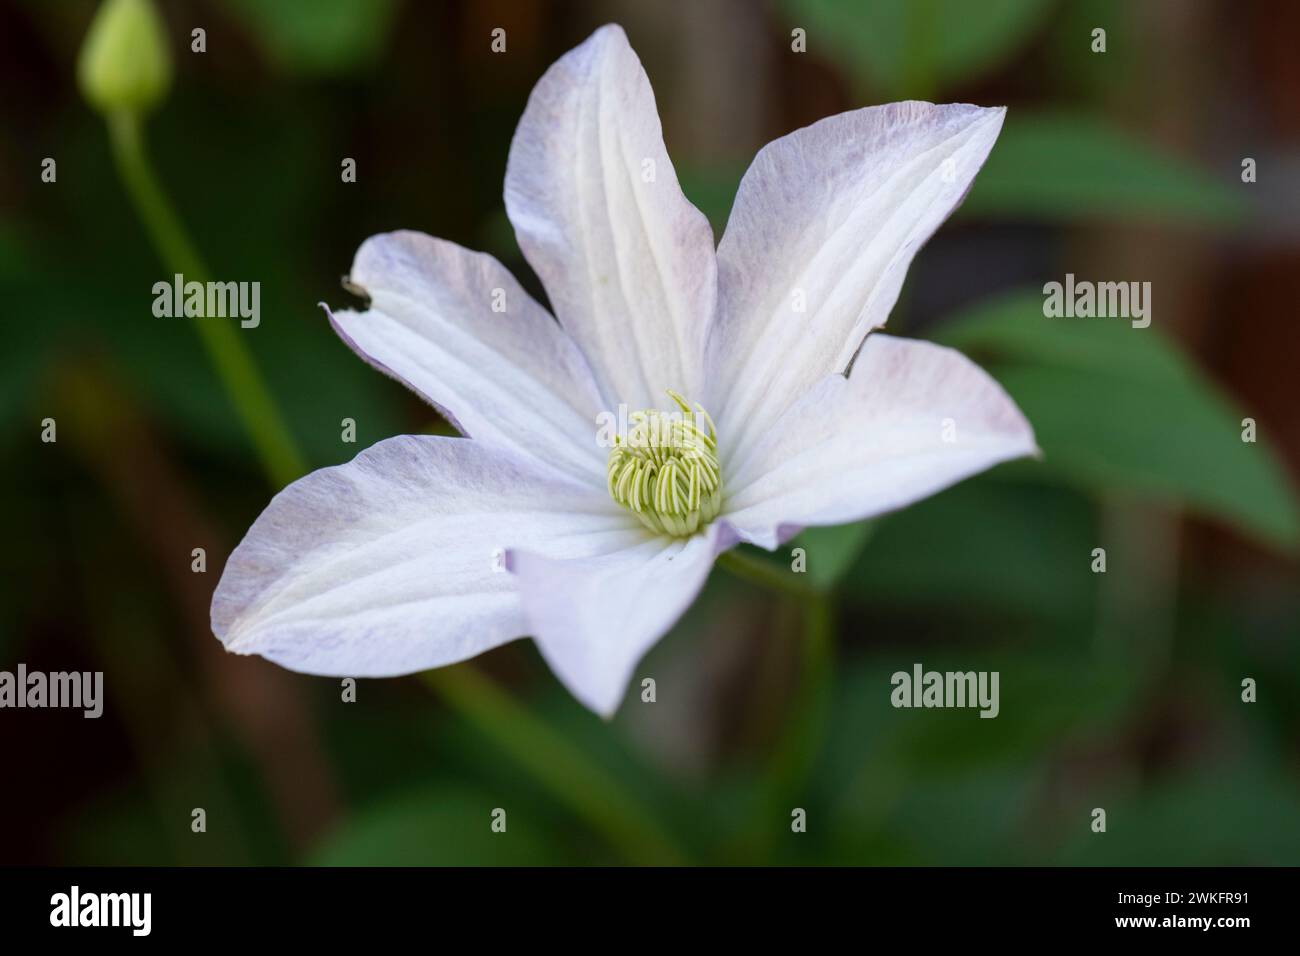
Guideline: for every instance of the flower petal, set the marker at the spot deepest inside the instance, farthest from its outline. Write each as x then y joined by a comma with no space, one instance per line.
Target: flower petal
627,261
825,224
395,562
911,419
594,619
455,327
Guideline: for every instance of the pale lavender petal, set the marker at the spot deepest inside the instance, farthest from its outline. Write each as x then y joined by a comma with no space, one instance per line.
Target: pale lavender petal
595,618
825,224
456,327
396,561
627,261
911,419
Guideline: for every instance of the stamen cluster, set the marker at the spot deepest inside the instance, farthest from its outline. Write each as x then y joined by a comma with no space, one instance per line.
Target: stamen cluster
666,469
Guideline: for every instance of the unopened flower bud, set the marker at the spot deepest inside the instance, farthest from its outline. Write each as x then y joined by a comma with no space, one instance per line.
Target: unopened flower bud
125,63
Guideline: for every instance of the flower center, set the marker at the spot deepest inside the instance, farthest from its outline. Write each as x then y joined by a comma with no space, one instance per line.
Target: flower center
666,470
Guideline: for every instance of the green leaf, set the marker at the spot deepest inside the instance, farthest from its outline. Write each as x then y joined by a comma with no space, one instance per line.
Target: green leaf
438,825
318,36
986,545
1119,408
913,48
945,785
711,188
1046,700
1054,166
831,551
1242,811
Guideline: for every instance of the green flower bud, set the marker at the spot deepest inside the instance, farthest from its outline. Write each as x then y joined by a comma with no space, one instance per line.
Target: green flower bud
125,64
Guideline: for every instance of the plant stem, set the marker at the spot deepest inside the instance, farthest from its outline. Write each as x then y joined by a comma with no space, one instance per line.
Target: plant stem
797,746
558,765
794,753
795,750
257,410
766,573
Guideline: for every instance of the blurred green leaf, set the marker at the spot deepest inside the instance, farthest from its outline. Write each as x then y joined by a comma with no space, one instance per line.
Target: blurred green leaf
318,36
1047,699
831,551
1012,326
1074,73
1242,813
1068,167
914,48
712,188
15,258
440,825
901,784
983,545
120,827
974,817
1116,407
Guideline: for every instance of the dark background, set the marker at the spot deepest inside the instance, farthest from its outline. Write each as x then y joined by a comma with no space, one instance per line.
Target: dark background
1118,690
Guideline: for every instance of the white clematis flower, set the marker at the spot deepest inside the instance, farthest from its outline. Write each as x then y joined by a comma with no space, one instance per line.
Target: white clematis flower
423,551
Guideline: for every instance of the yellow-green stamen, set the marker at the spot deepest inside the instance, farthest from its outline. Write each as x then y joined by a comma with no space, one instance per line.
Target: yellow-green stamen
666,469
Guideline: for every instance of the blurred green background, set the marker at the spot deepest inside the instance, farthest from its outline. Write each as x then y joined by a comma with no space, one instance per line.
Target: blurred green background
1119,690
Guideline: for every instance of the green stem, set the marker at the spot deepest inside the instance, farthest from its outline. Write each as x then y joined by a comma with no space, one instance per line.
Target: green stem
798,747
795,751
766,573
558,765
234,365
